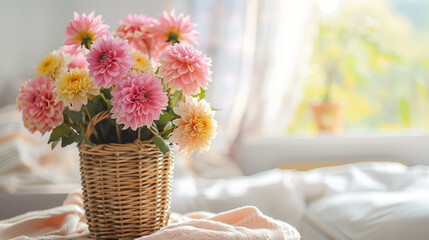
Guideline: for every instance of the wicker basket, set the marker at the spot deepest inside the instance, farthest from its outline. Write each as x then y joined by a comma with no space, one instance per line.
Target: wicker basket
126,188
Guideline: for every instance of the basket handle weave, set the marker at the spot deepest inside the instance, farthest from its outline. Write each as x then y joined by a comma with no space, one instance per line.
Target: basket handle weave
94,121
104,115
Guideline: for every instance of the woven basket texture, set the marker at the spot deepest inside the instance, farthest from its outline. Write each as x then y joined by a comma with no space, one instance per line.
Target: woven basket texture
126,188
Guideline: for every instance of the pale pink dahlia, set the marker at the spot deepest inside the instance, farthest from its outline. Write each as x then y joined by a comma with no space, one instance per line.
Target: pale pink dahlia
20,103
135,29
78,59
168,29
84,30
185,68
196,126
36,100
109,60
138,100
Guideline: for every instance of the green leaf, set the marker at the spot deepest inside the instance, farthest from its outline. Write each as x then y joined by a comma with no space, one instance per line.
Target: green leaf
71,139
66,141
169,126
82,132
59,132
174,99
404,111
107,92
170,111
200,95
54,143
97,105
164,118
161,143
75,116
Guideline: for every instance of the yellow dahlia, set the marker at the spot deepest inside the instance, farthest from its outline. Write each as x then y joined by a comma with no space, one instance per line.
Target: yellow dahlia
142,63
196,126
75,88
53,65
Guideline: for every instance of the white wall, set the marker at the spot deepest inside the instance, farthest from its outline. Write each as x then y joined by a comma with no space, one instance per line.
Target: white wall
29,29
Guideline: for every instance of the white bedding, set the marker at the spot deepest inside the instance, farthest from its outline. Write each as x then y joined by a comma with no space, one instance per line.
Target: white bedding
377,201
357,201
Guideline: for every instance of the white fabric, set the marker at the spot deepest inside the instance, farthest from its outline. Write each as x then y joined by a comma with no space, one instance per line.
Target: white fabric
371,200
27,160
63,222
364,200
273,192
283,46
375,215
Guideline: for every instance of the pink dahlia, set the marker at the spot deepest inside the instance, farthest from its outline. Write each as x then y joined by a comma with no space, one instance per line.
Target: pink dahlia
109,60
135,29
20,103
185,68
138,100
168,29
36,100
84,30
78,59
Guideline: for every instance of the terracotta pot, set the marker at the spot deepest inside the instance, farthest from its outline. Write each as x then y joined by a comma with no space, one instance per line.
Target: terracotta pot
328,117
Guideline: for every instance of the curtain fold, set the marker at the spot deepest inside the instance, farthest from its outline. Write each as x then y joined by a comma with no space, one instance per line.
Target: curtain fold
289,28
260,51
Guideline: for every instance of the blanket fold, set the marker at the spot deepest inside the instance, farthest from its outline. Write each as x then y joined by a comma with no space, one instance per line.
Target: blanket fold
68,222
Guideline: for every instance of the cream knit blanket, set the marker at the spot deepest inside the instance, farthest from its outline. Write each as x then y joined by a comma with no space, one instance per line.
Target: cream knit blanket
68,222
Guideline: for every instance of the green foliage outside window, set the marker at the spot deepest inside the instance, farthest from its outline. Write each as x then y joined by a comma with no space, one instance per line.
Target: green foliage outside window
371,59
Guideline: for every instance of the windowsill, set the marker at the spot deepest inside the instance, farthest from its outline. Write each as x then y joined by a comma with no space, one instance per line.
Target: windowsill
303,152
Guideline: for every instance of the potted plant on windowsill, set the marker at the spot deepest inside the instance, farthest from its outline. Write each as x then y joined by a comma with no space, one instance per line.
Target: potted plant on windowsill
328,115
344,55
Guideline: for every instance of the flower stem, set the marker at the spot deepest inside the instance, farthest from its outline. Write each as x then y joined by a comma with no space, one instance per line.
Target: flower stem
106,101
118,132
90,119
139,133
167,131
168,93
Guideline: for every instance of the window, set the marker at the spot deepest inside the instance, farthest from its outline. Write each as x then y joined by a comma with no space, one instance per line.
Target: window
371,58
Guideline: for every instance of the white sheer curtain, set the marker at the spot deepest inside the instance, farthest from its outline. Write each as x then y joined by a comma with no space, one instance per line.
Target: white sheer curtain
285,38
260,51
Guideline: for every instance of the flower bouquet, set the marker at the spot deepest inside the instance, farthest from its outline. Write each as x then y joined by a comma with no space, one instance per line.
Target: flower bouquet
126,98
